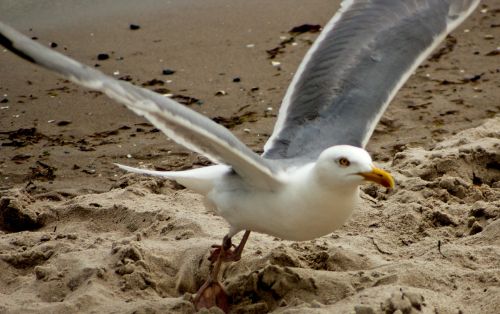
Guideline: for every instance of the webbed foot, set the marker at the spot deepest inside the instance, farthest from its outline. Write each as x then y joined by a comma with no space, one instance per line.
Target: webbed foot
211,294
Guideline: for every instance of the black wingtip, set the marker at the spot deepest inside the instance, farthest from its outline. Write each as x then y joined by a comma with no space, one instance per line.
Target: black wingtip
7,43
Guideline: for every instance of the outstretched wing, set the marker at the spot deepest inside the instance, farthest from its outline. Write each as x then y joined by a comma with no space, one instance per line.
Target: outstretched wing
182,124
361,59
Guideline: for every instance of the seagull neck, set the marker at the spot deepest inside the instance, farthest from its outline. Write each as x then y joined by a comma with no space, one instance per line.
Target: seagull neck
312,176
326,179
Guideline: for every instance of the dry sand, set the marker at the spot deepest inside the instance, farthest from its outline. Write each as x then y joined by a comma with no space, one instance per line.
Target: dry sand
77,235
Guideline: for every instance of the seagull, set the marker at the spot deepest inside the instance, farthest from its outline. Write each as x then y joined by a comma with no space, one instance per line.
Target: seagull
306,183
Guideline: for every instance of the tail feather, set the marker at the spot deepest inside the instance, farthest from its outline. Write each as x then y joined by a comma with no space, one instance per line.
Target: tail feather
164,174
200,180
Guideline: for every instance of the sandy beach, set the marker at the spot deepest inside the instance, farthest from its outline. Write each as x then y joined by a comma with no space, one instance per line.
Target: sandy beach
77,235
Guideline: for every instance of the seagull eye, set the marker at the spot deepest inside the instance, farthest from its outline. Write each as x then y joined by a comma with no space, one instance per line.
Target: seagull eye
344,162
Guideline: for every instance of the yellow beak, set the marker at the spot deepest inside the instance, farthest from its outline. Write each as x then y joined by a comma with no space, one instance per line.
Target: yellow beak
379,176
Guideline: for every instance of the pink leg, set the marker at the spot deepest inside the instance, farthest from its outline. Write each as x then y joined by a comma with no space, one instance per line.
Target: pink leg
231,255
211,293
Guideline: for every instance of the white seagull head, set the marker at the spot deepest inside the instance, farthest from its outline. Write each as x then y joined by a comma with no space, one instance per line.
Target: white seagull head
345,165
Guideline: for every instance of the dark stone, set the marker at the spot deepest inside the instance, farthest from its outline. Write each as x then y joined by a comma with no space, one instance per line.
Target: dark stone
304,28
63,123
167,72
102,56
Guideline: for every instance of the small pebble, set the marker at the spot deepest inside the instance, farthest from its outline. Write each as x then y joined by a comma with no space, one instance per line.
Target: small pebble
53,45
45,238
134,27
236,80
63,123
167,72
102,56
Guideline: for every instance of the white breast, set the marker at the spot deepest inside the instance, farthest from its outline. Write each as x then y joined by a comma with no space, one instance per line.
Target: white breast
303,210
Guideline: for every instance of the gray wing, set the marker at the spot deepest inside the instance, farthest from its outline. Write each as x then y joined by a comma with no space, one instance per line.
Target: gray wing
185,126
361,59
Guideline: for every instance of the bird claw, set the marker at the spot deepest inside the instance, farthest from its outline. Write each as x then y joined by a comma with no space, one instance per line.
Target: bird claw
231,255
211,294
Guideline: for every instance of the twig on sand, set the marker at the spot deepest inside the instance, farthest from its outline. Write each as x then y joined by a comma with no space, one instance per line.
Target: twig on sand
439,249
378,248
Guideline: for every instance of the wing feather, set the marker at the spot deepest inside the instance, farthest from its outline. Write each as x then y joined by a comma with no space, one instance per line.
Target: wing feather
361,59
185,126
